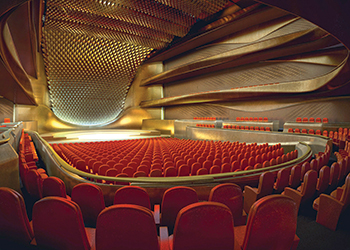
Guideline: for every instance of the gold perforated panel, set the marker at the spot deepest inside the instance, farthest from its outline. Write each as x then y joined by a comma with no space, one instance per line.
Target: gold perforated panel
92,49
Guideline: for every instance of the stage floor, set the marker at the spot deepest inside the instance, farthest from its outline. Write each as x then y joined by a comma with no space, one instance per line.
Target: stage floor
99,135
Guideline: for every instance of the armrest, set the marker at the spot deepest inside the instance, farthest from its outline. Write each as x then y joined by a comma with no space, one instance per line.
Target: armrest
164,238
294,194
337,193
250,195
329,210
156,214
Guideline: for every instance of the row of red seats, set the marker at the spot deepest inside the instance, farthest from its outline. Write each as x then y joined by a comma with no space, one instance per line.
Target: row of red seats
311,119
205,125
310,131
317,181
6,120
205,118
256,128
212,221
28,170
339,137
330,207
286,178
252,119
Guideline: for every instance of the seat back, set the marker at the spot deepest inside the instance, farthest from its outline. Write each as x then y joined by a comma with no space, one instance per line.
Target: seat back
184,170
271,224
58,224
309,184
282,180
345,198
314,165
126,227
266,182
204,225
34,184
90,199
170,172
194,168
342,170
53,186
14,223
323,179
156,173
174,199
304,168
295,175
231,195
202,171
132,195
334,175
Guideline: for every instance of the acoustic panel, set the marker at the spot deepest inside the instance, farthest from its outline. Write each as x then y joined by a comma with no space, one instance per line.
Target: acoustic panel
93,48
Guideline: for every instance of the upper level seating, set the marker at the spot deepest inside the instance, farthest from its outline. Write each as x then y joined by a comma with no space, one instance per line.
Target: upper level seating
28,157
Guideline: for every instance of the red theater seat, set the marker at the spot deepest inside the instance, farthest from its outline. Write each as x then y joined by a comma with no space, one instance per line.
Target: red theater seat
334,175
184,170
126,226
203,225
34,182
306,191
295,176
63,228
323,180
215,170
282,180
230,195
304,168
251,195
14,223
139,174
170,172
202,171
156,173
271,224
90,199
132,195
53,186
330,207
174,199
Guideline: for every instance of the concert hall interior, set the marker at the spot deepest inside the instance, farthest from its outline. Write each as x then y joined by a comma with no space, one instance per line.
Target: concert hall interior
174,124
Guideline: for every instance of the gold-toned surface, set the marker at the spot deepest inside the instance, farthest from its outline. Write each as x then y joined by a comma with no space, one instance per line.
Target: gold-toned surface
254,90
92,50
18,88
164,126
9,174
207,58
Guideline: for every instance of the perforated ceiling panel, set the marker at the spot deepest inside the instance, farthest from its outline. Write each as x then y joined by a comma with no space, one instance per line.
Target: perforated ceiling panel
92,49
